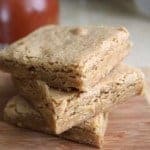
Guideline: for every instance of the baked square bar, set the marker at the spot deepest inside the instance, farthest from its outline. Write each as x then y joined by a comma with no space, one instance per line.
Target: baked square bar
63,110
67,57
19,112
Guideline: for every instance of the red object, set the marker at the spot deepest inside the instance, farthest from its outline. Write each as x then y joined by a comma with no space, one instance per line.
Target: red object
20,17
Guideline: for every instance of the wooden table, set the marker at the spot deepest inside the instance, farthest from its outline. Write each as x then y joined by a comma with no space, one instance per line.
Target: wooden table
128,128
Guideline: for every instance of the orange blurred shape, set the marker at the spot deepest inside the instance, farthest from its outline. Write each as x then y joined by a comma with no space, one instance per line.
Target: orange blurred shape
20,17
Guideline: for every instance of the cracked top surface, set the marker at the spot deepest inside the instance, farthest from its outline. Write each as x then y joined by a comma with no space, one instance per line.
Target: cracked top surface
65,45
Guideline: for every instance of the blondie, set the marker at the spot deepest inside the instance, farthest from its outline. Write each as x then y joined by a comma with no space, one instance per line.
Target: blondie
20,113
67,57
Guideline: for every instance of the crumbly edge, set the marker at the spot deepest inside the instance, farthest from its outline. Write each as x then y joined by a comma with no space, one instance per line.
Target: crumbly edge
95,74
74,110
31,119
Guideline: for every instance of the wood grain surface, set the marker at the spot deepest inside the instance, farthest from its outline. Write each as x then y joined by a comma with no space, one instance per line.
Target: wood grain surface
128,128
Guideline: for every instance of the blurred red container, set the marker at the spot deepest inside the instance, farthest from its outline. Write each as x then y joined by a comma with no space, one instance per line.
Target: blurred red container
20,17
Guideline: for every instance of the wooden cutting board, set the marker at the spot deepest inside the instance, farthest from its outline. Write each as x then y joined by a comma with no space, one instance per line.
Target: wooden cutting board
128,128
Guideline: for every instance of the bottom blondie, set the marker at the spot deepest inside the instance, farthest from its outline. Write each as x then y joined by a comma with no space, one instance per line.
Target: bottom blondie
19,112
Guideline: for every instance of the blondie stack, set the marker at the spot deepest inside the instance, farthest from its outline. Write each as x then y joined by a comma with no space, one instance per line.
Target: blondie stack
68,80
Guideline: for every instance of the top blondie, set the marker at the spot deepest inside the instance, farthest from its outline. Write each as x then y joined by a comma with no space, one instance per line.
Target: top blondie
67,58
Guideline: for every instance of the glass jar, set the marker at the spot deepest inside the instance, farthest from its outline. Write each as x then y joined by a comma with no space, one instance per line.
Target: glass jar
20,17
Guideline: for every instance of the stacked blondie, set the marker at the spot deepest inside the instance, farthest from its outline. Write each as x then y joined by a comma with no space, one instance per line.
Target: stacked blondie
68,80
